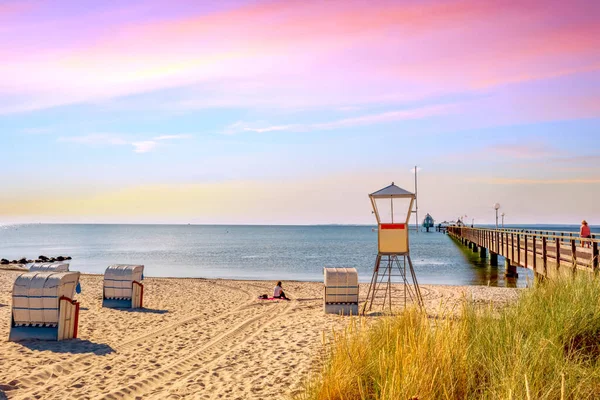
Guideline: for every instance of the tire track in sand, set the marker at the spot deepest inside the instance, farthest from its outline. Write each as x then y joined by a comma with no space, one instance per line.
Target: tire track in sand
190,364
67,367
192,376
249,303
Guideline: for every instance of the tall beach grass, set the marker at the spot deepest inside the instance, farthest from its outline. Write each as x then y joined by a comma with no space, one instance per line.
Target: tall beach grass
544,346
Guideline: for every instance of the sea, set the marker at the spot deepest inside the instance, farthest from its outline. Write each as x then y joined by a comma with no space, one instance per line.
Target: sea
253,252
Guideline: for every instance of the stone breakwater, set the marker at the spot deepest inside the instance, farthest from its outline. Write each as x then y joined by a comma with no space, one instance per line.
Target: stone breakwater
40,259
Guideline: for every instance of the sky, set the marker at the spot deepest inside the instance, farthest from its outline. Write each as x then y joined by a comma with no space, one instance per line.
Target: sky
292,112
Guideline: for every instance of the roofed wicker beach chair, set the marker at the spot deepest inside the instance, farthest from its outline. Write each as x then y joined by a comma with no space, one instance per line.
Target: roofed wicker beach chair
50,266
123,286
341,291
43,307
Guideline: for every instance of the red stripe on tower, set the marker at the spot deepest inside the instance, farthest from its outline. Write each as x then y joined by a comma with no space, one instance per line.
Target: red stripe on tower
393,226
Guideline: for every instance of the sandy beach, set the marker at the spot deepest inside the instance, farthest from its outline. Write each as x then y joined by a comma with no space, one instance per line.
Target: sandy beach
196,338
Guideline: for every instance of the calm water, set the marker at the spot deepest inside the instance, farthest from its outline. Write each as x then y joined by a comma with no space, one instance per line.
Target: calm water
248,252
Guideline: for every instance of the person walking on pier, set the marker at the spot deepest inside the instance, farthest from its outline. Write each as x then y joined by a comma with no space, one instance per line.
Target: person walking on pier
585,233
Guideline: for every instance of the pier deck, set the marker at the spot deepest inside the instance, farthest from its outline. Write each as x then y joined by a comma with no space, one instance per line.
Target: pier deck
547,253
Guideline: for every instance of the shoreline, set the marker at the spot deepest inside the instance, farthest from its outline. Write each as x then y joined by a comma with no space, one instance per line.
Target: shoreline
13,267
195,338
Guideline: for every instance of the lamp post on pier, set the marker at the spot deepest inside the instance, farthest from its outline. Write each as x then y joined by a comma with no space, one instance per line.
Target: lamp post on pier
496,207
502,215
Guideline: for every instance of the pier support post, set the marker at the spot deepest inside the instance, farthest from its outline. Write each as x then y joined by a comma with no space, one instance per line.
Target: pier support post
475,249
493,259
511,269
482,252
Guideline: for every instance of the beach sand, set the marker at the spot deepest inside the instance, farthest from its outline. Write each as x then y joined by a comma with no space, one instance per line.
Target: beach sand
196,338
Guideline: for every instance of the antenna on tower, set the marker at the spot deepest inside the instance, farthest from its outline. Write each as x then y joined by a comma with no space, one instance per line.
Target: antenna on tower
416,210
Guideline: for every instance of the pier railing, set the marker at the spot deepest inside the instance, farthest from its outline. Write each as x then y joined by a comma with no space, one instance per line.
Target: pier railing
545,252
563,234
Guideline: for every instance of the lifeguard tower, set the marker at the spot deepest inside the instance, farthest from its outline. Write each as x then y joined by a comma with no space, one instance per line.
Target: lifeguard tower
392,279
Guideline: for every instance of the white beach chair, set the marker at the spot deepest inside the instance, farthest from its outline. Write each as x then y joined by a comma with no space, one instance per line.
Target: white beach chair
341,291
49,266
43,307
123,286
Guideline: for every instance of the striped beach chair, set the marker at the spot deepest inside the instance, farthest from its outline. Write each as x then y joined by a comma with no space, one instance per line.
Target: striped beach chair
43,307
123,286
341,291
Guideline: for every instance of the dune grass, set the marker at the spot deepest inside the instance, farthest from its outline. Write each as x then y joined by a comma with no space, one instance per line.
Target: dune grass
545,346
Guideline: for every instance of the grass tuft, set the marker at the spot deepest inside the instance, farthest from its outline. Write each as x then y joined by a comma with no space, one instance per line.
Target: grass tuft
545,346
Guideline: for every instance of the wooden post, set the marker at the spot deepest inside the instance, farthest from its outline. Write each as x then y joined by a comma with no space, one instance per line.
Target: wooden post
595,256
497,242
558,242
518,249
512,246
526,251
544,255
534,253
573,254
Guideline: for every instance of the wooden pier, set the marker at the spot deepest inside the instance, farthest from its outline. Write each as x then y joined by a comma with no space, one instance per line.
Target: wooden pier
547,253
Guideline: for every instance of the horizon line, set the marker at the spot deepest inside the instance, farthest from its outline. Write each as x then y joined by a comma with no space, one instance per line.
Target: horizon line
250,224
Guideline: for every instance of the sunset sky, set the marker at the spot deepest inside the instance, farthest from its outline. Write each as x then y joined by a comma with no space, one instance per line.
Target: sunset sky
291,112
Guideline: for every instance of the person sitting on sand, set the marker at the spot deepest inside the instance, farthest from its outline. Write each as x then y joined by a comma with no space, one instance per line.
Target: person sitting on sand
278,292
585,233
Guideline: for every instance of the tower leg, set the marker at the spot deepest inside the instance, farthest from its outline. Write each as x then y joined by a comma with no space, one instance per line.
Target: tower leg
371,292
388,291
393,270
416,284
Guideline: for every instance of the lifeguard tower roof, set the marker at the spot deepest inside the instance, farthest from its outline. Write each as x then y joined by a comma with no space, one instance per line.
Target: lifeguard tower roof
391,191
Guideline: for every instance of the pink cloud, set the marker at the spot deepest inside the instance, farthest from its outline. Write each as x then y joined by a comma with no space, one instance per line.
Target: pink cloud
294,52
